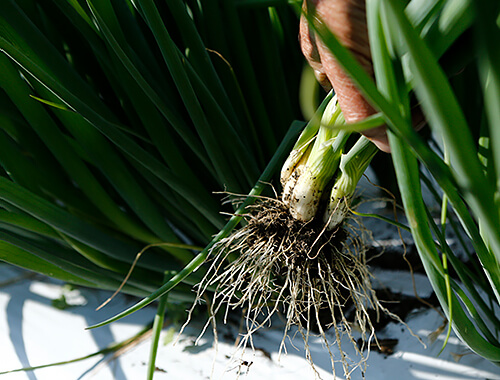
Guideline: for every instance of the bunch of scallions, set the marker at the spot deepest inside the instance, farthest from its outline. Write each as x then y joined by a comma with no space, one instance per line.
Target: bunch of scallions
319,166
295,255
121,119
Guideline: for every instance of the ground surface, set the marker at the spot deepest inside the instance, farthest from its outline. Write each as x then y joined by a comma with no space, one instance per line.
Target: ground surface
34,332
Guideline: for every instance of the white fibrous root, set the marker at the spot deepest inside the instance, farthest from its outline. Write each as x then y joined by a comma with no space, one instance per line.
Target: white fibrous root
317,279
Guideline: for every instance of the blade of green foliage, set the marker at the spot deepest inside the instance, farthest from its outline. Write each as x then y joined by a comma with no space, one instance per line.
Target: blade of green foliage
22,258
28,223
453,19
487,36
421,12
158,324
81,271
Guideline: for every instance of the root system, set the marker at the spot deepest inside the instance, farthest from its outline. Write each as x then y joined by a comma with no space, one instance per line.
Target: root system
317,279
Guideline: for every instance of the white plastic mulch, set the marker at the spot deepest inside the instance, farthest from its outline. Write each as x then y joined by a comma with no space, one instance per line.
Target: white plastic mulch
33,332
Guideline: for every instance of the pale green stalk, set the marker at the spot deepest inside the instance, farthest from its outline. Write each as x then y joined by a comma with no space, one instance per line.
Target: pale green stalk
352,166
157,327
305,188
304,141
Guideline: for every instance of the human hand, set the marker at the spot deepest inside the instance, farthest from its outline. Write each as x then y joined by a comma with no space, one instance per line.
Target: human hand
347,19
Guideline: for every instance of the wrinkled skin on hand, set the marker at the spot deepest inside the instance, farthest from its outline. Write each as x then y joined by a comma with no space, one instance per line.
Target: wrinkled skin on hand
347,19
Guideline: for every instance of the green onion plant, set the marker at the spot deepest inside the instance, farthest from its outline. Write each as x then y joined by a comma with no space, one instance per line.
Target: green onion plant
322,162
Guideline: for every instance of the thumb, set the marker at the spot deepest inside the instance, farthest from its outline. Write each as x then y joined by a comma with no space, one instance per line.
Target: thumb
347,19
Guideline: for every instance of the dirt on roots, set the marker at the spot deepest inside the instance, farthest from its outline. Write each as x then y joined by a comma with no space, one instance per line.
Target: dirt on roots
317,279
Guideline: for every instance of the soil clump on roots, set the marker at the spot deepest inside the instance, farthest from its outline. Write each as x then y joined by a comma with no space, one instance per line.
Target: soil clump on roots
317,279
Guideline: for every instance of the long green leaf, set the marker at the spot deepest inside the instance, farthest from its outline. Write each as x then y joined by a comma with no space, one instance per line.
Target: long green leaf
78,272
488,33
23,259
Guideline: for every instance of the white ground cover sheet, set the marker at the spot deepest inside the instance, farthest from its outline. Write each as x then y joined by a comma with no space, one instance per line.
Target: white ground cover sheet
33,332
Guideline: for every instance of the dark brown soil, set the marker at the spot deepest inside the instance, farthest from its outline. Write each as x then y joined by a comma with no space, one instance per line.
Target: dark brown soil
299,242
